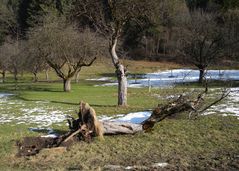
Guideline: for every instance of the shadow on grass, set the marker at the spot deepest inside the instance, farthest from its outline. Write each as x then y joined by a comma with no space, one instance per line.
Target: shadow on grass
212,84
48,131
97,105
27,87
66,103
59,102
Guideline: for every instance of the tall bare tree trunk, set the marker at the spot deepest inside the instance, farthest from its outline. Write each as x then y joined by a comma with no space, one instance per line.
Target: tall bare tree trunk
122,85
3,76
120,73
201,75
47,74
15,72
35,79
77,75
67,84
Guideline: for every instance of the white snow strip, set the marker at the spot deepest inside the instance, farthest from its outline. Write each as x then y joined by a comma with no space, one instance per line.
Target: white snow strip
160,165
136,117
50,136
172,77
2,95
100,79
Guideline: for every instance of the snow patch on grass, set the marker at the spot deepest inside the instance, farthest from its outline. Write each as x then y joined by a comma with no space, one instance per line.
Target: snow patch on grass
229,106
30,113
100,79
135,117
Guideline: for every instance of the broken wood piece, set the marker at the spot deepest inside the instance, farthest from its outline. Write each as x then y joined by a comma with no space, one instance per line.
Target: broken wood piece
114,128
72,135
83,130
55,150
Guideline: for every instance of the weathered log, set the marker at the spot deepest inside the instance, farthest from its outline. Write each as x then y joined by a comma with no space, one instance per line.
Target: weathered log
114,128
182,104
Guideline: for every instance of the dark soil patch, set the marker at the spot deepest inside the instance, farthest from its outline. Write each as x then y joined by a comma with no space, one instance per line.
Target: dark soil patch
30,146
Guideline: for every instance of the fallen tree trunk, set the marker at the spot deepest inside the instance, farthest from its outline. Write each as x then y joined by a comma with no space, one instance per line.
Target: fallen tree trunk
87,125
115,128
182,104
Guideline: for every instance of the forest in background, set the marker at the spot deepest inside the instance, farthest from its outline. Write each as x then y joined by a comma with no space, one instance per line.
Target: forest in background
37,35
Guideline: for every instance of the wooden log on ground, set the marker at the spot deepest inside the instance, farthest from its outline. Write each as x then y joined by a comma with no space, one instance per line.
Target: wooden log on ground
182,104
114,128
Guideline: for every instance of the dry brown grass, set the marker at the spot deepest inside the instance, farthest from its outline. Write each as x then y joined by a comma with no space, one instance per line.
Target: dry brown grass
104,67
148,66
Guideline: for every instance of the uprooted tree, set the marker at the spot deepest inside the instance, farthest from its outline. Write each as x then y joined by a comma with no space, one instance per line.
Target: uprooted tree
87,126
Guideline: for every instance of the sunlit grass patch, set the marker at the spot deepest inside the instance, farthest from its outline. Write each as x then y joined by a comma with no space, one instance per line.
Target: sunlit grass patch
187,144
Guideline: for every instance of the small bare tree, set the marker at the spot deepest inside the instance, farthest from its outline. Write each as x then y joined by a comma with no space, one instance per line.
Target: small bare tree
65,49
202,41
11,58
34,64
5,53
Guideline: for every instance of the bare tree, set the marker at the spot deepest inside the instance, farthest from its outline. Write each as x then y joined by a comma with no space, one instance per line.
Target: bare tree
11,58
65,49
109,17
5,53
16,60
202,41
34,64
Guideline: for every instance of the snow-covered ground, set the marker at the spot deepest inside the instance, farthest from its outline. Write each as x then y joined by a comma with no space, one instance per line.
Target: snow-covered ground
171,77
136,117
42,114
229,106
38,113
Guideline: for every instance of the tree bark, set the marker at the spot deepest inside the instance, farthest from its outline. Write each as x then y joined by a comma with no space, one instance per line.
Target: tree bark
77,75
122,86
201,75
67,84
3,76
47,75
15,75
115,128
35,77
120,73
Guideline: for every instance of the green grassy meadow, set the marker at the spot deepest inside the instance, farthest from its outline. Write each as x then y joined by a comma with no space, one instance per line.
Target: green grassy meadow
207,143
